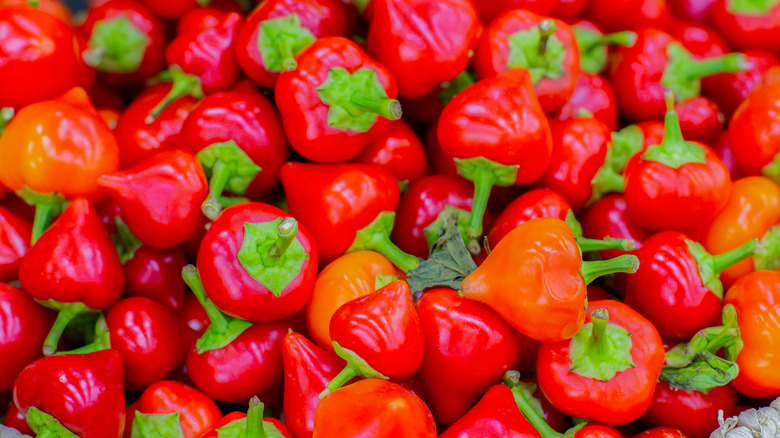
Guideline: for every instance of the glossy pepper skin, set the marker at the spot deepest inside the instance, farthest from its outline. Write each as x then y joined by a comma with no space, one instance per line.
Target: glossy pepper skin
614,16
748,25
24,327
73,267
495,415
15,235
160,197
197,412
617,399
692,412
396,412
346,207
758,152
323,125
465,342
253,270
529,205
490,10
546,47
278,30
608,217
728,90
82,392
249,424
156,274
399,151
422,42
35,44
592,93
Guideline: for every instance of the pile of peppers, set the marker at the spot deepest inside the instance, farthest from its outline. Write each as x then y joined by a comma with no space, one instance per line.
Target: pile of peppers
388,218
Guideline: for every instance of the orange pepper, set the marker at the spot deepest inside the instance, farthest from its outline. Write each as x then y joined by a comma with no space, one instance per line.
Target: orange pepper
350,276
752,209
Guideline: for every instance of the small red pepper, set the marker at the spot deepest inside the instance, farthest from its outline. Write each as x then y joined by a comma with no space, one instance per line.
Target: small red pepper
661,432
700,119
156,274
171,9
16,420
748,24
169,408
594,45
492,9
728,90
15,235
593,94
701,41
751,129
399,151
252,424
692,412
529,205
617,15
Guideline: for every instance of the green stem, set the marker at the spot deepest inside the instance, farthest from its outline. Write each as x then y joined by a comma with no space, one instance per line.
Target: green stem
284,45
546,30
587,245
599,319
483,184
592,270
229,201
254,419
286,231
672,131
129,243
512,379
190,276
44,213
33,3
6,114
361,5
625,39
731,63
387,108
347,374
53,338
46,433
220,176
406,262
726,260
183,85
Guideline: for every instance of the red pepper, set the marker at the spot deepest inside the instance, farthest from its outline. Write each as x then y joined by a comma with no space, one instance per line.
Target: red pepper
277,30
126,41
617,355
156,274
692,10
172,9
336,101
594,45
490,10
701,41
546,47
379,335
748,24
695,413
73,395
307,369
25,325
725,152
395,412
346,207
750,128
700,119
468,347
15,235
594,94
677,184
728,90
399,151
194,315
617,15
166,408
160,197
16,420
570,9
73,268
257,263
530,205
39,57
252,424
512,147
655,64
661,432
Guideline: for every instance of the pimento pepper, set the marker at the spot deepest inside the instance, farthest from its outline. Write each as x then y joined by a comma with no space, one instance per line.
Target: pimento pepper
73,395
748,24
546,47
655,64
14,243
399,151
73,268
594,45
68,147
614,16
257,263
695,413
750,128
728,90
529,205
277,30
700,119
249,425
395,412
512,147
346,207
594,94
618,355
126,41
156,274
677,184
336,101
171,408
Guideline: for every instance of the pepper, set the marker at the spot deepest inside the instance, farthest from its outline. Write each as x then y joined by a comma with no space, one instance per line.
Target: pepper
661,432
257,263
249,425
701,41
399,151
68,146
529,205
336,101
700,119
512,147
692,10
14,243
695,413
490,10
16,420
173,9
728,90
73,395
171,408
614,16
546,47
395,412
156,274
748,24
618,355
73,268
757,153
594,45
594,94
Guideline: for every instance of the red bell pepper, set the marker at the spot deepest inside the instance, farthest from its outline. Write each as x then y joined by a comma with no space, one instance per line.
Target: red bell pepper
748,24
15,235
593,94
336,101
695,413
399,151
249,425
617,15
750,128
171,408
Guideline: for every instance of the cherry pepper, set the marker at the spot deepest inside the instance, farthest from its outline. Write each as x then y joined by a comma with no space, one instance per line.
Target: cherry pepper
758,151
422,42
512,147
346,207
73,268
257,263
656,64
676,286
67,147
379,335
73,395
748,24
677,184
15,235
594,45
592,93
170,408
617,355
336,101
249,425
160,198
395,412
398,150
277,30
546,47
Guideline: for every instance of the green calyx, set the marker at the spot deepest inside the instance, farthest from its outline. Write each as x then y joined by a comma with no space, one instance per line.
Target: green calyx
682,75
47,207
381,281
271,254
538,50
600,350
66,313
711,266
6,114
452,87
223,329
101,339
529,405
592,45
356,99
184,84
116,46
360,4
251,426
228,167
674,151
356,366
609,178
751,7
44,425
592,270
772,170
767,254
485,174
156,425
431,232
125,243
376,237
280,39
588,245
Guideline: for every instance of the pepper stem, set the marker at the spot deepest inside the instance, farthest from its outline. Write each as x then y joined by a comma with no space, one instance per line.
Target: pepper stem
731,258
546,30
592,270
183,85
483,184
220,176
625,39
6,114
284,45
33,3
730,63
254,419
387,108
190,276
64,318
44,213
587,245
405,262
599,319
512,380
344,376
286,230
